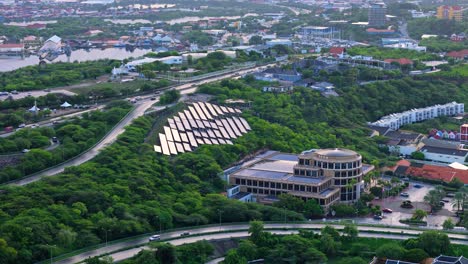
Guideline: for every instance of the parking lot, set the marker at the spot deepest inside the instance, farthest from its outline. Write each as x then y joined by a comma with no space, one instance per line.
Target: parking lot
416,196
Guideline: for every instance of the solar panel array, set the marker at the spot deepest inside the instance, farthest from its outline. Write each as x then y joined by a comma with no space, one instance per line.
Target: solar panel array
202,123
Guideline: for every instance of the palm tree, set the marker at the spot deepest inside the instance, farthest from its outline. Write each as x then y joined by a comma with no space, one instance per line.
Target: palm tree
432,198
458,200
419,214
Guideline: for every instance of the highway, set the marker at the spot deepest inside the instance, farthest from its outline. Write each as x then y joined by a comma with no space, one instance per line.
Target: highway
121,251
140,108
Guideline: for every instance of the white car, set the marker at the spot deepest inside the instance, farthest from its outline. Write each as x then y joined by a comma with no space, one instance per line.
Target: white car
155,238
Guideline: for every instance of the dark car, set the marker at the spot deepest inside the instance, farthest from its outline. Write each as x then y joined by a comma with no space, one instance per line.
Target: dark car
404,194
418,186
185,234
153,98
387,210
378,217
54,139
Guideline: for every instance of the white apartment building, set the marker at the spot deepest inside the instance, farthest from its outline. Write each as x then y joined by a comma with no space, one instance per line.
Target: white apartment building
396,120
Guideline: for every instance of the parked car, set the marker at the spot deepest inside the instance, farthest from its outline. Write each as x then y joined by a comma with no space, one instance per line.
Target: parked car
54,139
185,234
418,186
387,210
378,217
403,194
155,238
153,98
25,150
22,125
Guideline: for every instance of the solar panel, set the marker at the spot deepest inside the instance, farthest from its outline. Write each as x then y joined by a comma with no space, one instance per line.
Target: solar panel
212,110
180,147
168,133
187,147
176,119
224,132
205,111
188,114
186,124
218,122
193,112
207,141
180,127
221,141
238,111
245,123
196,133
231,110
214,141
228,128
175,135
204,134
218,110
200,141
199,112
193,141
223,109
200,124
211,133
239,125
234,127
184,137
171,123
229,142
172,147
206,124
157,149
218,134
213,124
164,146
182,115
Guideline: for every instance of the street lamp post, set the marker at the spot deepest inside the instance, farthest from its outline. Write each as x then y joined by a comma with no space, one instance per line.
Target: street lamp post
219,212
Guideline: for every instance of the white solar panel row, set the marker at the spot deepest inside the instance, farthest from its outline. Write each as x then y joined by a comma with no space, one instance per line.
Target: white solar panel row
202,123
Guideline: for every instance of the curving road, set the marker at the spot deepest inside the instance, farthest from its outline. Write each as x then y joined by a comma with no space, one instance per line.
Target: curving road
140,108
120,251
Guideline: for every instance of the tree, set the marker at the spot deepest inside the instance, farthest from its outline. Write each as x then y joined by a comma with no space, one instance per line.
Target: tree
458,200
232,257
434,242
418,155
255,40
352,260
7,253
448,224
415,255
329,230
169,97
166,253
390,251
328,245
256,232
312,209
290,202
419,214
350,232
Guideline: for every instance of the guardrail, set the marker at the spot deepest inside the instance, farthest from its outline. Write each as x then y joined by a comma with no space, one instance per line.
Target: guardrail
337,222
72,158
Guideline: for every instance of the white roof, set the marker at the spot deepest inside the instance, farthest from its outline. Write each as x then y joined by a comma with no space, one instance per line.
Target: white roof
459,166
55,39
34,109
65,105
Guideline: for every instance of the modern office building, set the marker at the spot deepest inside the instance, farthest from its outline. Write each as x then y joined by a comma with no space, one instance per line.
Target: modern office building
377,14
450,12
395,121
326,175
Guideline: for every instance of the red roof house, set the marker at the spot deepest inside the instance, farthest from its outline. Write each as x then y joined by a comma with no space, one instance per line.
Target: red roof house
461,54
337,51
402,61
